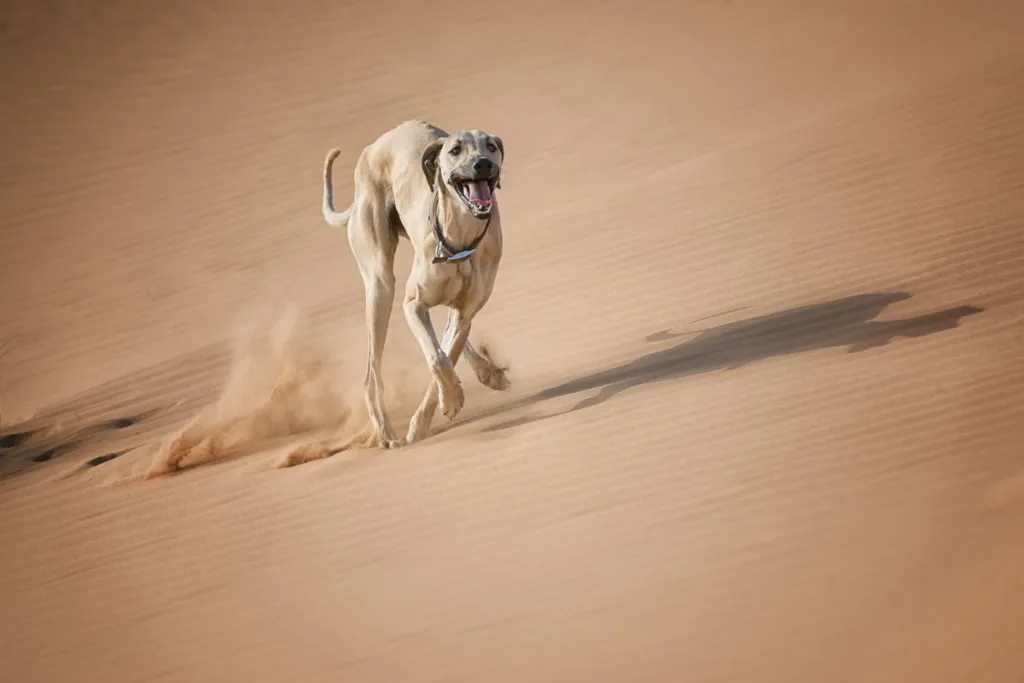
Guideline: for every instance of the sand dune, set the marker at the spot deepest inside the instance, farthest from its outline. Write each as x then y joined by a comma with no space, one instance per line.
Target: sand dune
762,298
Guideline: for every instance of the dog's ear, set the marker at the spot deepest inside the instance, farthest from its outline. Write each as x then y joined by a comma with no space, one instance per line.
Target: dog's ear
501,148
429,161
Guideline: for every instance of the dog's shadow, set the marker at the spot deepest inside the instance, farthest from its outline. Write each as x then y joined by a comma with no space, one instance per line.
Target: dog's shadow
848,322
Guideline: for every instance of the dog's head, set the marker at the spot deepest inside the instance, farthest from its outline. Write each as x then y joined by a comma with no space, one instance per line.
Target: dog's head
468,166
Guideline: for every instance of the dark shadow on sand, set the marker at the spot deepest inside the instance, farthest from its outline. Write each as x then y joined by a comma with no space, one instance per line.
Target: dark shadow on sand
20,449
847,322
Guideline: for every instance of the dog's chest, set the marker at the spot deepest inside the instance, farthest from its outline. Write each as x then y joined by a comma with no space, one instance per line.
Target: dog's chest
460,284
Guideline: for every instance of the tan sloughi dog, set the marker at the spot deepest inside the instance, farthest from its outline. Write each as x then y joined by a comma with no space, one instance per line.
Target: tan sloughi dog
437,190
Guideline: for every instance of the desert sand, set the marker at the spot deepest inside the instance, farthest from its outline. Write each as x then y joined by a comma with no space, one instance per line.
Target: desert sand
762,302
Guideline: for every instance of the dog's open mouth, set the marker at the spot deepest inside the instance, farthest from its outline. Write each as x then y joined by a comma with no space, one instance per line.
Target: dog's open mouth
478,195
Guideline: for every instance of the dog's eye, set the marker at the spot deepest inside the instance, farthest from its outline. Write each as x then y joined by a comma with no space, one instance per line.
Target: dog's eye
455,150
491,147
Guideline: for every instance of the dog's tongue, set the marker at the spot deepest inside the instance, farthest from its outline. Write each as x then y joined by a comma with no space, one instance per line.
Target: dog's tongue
479,191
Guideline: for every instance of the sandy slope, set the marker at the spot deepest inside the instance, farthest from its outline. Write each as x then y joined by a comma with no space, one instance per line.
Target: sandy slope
762,300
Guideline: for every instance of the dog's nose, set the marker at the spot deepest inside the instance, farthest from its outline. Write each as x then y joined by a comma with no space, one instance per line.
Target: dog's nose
483,164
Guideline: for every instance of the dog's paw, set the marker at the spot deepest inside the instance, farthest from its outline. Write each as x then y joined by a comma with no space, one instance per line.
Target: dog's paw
415,436
493,377
418,428
452,400
489,373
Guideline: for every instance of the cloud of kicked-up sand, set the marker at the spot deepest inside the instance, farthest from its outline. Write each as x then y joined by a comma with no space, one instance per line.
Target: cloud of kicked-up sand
288,390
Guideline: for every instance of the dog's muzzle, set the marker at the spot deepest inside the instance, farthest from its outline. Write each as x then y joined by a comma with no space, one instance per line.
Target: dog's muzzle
477,193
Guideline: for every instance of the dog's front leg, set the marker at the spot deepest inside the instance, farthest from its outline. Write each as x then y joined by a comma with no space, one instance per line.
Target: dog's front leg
456,336
417,314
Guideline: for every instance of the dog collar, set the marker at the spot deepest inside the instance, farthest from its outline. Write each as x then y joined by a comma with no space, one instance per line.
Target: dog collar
446,253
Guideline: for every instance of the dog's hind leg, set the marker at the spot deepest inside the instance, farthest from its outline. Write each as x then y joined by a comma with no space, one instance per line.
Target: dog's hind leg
374,246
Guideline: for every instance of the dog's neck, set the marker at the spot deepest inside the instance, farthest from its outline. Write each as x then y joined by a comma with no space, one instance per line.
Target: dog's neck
459,232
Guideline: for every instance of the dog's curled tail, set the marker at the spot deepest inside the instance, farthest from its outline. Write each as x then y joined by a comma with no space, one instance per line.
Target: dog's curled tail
334,218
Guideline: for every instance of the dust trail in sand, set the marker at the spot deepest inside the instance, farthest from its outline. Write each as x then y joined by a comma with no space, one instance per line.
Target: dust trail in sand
283,382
